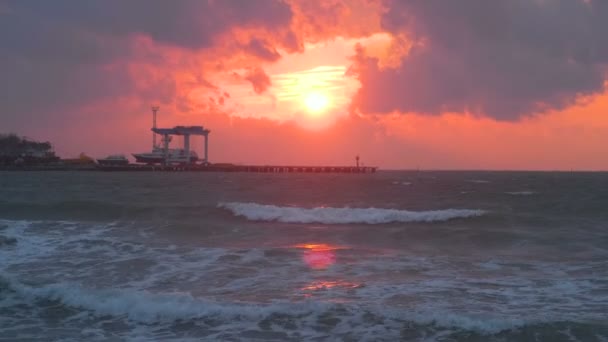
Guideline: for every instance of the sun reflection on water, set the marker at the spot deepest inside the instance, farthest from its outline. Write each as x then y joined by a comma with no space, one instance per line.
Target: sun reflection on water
321,256
318,255
329,284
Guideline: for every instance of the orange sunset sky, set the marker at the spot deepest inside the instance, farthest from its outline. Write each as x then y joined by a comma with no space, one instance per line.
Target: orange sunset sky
470,84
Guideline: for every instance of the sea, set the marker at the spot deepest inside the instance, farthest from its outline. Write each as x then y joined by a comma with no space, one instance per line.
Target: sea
389,256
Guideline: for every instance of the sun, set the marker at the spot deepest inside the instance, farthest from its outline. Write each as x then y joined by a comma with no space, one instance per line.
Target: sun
316,102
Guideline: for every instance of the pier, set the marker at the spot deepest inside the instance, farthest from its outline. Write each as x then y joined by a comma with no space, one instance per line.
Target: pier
237,168
160,159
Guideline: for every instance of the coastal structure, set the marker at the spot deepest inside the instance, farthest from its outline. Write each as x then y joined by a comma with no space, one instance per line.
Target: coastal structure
162,158
168,156
114,159
20,150
81,161
241,168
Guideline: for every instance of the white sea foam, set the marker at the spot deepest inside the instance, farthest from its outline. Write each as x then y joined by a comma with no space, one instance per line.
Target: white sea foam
145,306
479,181
199,283
329,215
138,306
148,307
35,240
164,306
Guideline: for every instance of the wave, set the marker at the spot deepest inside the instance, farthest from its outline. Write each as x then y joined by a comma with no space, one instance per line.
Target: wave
307,317
147,307
328,215
478,181
520,193
141,306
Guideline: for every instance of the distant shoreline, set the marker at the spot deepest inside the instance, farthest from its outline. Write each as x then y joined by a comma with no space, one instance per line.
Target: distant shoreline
193,168
257,169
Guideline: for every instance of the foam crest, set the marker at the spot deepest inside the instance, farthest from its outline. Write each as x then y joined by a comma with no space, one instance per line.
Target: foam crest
329,215
149,307
32,242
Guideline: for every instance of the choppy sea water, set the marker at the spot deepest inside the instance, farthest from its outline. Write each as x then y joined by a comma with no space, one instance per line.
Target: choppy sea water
413,256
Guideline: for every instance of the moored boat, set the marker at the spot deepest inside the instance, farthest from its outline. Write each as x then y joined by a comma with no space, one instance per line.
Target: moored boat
115,159
158,156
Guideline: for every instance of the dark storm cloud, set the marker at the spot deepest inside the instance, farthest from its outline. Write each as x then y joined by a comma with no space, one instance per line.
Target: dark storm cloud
501,58
263,50
184,23
67,52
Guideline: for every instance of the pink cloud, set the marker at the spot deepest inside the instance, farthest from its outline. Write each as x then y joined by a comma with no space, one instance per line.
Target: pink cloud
87,85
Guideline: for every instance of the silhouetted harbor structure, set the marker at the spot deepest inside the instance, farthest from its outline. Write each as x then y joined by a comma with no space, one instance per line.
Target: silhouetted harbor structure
191,168
16,150
160,159
163,154
241,168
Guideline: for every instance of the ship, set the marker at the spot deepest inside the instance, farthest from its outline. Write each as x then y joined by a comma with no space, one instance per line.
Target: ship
157,156
115,159
162,154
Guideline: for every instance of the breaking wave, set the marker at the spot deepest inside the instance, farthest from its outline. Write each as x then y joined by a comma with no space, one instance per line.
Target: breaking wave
309,319
148,307
141,306
329,215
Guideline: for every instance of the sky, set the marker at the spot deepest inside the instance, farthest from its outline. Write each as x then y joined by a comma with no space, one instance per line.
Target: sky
404,84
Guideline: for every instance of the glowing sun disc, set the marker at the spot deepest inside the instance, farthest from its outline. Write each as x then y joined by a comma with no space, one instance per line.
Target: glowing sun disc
316,102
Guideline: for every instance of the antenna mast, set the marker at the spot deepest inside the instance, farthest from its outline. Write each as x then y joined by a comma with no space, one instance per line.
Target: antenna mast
154,110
